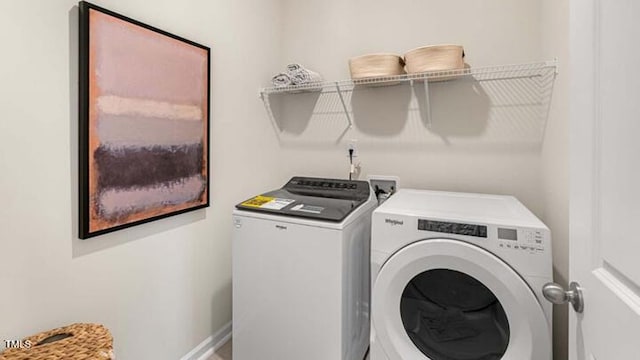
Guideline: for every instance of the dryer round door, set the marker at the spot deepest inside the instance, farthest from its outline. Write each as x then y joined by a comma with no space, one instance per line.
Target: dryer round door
442,299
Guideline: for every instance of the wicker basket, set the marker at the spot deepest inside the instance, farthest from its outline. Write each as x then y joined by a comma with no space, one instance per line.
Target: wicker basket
435,58
73,342
376,66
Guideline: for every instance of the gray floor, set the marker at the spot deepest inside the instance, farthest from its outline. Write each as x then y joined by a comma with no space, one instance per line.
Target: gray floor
224,353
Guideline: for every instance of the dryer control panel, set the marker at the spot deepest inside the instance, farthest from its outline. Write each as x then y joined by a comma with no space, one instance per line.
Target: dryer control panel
452,228
521,239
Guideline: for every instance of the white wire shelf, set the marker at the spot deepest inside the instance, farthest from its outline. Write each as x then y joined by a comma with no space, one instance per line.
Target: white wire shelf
542,70
501,72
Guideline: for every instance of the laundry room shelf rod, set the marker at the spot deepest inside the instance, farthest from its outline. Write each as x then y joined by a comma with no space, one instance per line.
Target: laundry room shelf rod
544,71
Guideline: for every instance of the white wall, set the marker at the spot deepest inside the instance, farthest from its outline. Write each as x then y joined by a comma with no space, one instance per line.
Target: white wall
482,137
555,158
161,288
471,145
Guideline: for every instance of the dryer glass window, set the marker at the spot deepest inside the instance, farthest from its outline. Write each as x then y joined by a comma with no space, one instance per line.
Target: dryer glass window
450,315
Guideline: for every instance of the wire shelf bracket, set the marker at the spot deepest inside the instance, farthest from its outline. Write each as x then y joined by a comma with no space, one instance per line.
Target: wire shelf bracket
344,105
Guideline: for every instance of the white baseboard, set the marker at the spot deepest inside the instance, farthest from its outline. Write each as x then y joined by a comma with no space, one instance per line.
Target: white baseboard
209,346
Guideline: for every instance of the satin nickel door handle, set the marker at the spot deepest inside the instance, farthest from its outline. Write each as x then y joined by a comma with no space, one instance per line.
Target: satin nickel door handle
558,295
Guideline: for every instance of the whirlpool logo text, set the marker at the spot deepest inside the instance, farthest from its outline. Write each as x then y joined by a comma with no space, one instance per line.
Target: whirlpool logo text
393,222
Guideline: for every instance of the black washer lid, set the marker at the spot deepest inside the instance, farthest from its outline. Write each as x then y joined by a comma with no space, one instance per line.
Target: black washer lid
314,198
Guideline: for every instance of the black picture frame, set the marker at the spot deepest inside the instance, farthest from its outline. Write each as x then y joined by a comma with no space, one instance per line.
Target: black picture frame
101,179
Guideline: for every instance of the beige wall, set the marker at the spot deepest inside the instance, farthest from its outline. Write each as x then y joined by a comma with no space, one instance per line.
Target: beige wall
555,157
161,288
477,140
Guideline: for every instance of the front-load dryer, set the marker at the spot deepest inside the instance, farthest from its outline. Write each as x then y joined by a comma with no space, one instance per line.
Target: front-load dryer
301,271
459,276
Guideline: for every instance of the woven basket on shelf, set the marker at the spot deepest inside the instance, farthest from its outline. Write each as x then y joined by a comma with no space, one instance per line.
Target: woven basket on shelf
376,66
76,342
439,58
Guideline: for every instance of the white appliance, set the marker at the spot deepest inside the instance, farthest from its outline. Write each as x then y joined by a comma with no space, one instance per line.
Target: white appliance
459,276
301,280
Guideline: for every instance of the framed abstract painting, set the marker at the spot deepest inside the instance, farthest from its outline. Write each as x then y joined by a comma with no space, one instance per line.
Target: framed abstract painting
144,123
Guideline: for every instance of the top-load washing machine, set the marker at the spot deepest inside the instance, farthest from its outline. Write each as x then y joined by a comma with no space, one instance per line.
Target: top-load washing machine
459,276
301,272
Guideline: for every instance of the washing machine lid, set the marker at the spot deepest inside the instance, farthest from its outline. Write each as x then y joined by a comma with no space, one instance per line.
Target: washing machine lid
451,322
313,198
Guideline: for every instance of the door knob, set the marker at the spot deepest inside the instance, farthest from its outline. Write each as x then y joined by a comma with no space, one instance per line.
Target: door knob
558,295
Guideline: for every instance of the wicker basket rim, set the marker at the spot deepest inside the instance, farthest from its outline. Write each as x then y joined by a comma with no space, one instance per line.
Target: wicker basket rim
426,47
375,54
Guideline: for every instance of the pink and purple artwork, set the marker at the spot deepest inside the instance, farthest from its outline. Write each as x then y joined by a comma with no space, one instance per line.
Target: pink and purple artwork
144,122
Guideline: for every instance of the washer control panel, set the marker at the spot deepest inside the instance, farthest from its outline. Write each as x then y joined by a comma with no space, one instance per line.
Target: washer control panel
328,188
